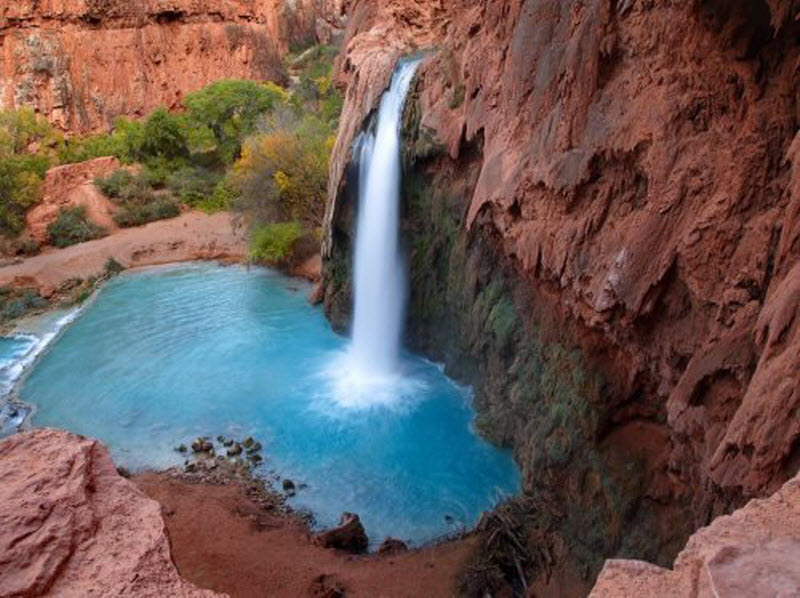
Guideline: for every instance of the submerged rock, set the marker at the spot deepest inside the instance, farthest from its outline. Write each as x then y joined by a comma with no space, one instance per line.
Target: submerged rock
202,445
348,536
235,450
288,485
392,546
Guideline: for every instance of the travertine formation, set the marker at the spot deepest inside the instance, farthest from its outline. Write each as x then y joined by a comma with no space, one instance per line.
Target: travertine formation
70,525
82,63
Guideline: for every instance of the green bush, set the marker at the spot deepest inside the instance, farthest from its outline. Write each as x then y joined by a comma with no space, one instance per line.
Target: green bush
163,137
134,214
124,187
229,110
113,184
124,143
273,243
113,267
193,185
221,199
21,172
71,226
15,303
283,173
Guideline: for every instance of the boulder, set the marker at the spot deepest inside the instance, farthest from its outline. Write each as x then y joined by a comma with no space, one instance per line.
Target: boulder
392,546
70,525
348,536
317,294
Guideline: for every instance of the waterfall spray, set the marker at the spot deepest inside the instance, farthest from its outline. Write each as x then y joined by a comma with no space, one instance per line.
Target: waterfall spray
380,286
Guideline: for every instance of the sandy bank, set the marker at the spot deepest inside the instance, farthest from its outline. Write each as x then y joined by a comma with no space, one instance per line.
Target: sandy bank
190,236
224,541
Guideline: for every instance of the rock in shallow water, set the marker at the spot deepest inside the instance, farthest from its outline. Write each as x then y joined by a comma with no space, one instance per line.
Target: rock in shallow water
348,536
70,525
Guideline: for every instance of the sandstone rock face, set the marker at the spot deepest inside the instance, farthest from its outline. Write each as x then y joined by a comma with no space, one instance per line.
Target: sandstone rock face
69,186
613,197
82,63
71,526
753,552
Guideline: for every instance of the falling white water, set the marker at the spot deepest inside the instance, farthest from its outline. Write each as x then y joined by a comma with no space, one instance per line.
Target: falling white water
380,288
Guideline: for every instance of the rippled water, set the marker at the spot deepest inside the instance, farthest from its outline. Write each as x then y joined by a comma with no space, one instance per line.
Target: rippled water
168,354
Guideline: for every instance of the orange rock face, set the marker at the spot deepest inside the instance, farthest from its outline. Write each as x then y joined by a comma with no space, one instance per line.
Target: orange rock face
753,552
69,186
82,63
70,525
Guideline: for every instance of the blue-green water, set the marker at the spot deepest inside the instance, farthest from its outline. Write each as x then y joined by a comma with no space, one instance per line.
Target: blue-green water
168,354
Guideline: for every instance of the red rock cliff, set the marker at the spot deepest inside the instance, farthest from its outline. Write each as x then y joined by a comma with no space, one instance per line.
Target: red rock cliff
81,63
638,166
70,525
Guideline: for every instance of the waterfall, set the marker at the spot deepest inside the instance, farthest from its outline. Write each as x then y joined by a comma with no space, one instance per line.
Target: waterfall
379,284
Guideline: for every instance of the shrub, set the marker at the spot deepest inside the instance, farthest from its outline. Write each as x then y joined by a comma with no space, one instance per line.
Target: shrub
124,142
20,128
21,172
135,214
20,189
113,184
71,226
124,187
15,303
221,199
113,267
192,185
163,137
273,243
283,174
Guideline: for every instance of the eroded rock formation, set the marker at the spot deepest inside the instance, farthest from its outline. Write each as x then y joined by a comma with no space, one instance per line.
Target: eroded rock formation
82,63
753,552
70,186
70,525
602,205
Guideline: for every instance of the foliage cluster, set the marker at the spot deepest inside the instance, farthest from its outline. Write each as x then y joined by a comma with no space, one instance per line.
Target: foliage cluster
71,226
274,242
16,302
138,202
21,168
282,174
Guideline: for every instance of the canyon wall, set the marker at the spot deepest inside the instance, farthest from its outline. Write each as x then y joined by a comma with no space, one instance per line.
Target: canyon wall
82,63
602,213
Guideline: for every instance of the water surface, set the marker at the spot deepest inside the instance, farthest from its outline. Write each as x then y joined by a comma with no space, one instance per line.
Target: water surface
164,355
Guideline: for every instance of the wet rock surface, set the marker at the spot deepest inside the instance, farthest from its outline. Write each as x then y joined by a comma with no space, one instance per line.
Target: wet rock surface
348,536
71,525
